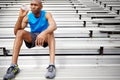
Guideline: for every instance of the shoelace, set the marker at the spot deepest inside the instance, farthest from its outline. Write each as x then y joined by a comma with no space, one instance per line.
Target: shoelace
50,68
10,69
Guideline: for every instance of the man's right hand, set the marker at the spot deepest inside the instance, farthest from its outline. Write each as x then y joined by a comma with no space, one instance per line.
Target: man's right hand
23,13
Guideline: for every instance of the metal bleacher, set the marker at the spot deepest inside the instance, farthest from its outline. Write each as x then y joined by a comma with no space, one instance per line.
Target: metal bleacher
87,40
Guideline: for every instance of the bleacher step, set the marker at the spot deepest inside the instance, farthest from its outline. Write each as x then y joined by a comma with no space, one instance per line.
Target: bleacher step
68,67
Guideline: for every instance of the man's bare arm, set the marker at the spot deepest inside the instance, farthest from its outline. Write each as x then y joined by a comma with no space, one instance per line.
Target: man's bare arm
52,24
42,36
19,24
24,22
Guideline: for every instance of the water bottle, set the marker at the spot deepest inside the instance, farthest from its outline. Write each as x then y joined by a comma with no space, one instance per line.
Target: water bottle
24,7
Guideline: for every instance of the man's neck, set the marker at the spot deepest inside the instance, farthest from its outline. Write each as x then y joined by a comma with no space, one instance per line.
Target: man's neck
37,14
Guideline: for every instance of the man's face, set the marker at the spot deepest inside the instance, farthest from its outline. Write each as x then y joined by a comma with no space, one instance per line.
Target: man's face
35,6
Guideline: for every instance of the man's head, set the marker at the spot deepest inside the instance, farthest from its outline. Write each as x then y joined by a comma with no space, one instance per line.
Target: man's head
36,6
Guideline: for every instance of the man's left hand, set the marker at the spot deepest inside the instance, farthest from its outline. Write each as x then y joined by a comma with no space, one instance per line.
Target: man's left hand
41,38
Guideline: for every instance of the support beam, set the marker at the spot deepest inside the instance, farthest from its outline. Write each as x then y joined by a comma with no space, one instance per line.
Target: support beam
5,52
101,50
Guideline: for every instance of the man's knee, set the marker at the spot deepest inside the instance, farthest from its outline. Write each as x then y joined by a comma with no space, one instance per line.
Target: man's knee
20,33
50,36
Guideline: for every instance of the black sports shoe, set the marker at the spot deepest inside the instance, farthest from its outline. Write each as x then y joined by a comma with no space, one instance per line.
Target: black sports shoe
11,72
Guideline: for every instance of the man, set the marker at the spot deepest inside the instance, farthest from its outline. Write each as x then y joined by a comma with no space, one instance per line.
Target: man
42,26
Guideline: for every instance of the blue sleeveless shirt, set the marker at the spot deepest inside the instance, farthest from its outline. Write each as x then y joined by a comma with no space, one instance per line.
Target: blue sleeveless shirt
39,24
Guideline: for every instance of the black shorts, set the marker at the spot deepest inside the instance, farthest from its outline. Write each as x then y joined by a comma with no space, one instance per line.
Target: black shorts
32,44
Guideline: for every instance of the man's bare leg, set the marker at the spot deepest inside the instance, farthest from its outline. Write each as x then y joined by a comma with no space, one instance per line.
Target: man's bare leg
51,42
20,36
14,69
51,73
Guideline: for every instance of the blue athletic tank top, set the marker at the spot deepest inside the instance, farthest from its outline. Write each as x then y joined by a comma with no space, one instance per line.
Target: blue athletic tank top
38,24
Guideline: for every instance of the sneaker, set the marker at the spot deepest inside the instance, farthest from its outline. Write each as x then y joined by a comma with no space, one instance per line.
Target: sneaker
11,72
51,73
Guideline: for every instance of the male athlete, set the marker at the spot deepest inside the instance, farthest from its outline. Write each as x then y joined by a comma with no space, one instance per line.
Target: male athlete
42,26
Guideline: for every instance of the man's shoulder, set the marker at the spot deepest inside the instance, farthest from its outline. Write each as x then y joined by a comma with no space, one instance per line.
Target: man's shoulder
46,11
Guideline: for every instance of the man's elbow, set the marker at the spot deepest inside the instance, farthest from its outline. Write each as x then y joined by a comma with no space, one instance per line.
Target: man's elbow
15,31
55,26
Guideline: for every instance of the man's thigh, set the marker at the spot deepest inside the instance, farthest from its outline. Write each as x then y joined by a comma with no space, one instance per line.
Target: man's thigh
31,43
27,36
